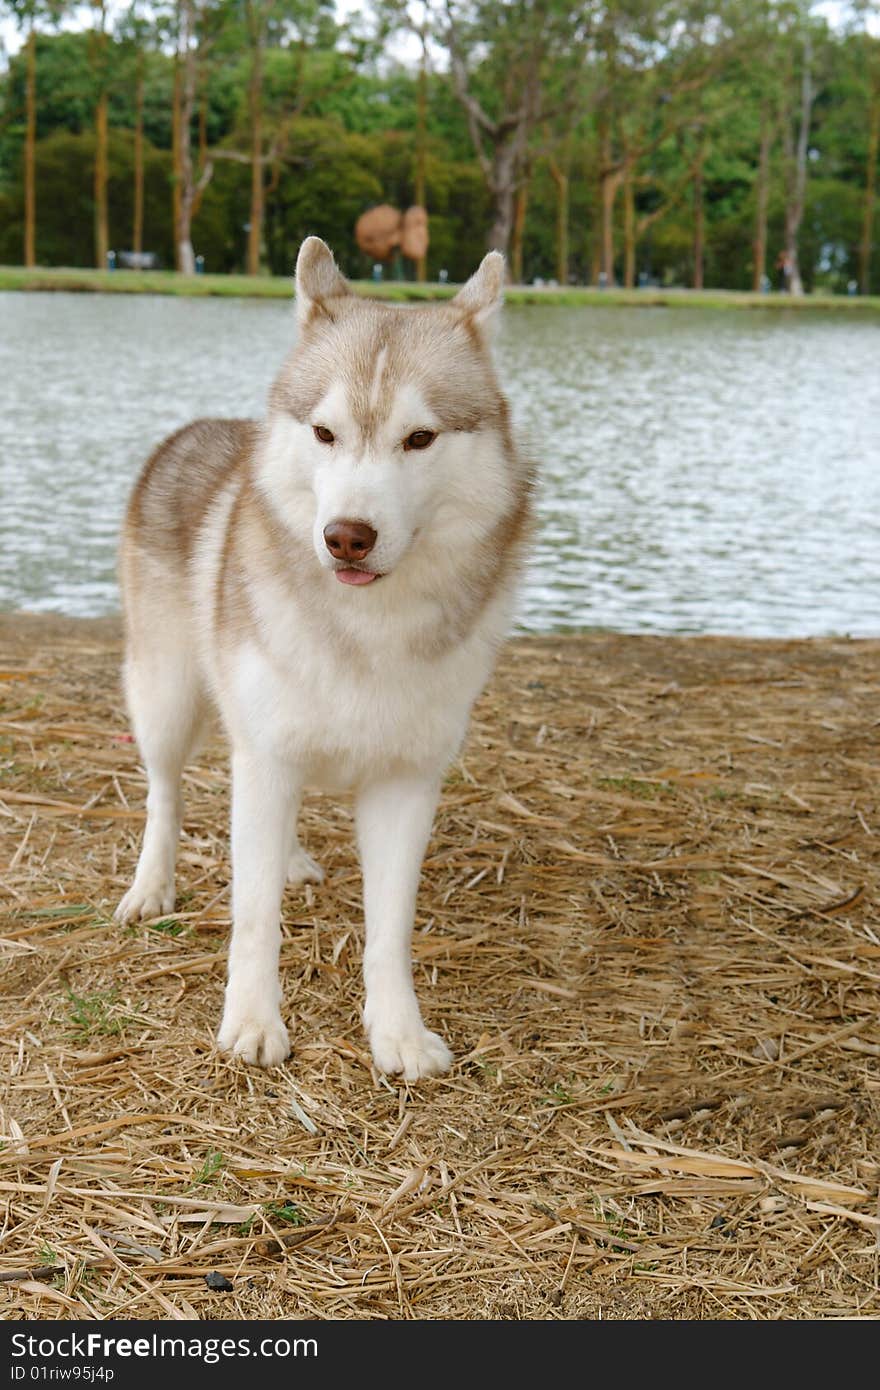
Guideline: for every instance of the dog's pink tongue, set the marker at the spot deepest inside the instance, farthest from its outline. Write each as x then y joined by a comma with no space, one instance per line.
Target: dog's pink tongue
354,577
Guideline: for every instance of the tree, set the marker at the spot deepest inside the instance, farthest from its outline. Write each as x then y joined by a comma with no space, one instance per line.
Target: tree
796,140
872,81
189,186
257,17
653,60
65,169
671,157
135,37
757,79
300,25
514,68
699,209
30,234
421,138
559,163
762,193
29,15
517,233
101,76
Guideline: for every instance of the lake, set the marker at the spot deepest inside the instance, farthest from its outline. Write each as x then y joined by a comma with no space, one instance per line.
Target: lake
701,470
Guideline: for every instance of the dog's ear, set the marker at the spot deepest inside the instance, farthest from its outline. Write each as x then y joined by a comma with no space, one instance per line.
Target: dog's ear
482,296
318,280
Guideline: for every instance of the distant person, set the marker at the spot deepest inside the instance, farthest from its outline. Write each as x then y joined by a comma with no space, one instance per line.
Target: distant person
784,266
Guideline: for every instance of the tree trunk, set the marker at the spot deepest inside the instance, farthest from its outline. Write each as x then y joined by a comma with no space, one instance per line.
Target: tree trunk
30,142
797,162
699,218
186,92
611,181
205,165
502,223
137,236
255,103
629,229
175,152
203,119
560,175
503,185
421,123
595,251
610,178
521,204
102,232
595,259
762,193
866,244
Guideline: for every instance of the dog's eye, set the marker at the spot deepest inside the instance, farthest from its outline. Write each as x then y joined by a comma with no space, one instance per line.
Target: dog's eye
321,432
419,439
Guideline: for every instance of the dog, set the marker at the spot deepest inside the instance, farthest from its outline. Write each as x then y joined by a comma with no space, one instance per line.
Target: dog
335,581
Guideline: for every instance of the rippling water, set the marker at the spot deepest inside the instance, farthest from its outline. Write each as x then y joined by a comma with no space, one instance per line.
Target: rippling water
702,471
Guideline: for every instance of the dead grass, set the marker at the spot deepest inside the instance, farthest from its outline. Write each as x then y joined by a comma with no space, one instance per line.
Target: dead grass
648,927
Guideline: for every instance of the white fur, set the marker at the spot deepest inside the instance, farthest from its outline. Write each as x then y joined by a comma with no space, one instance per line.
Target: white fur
300,710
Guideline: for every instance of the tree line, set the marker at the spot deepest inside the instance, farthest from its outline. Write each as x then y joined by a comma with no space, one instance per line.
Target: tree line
729,144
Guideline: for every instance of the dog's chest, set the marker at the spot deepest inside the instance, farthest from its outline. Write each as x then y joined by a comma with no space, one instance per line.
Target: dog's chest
340,718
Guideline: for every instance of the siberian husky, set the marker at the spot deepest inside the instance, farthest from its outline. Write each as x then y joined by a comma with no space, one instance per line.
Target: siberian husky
336,581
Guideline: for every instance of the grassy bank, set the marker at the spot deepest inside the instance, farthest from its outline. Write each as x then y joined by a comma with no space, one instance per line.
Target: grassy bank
266,287
647,926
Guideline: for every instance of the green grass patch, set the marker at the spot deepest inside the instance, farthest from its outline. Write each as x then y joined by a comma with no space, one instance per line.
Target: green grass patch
288,1212
169,926
93,1015
212,1166
558,1095
485,1066
74,280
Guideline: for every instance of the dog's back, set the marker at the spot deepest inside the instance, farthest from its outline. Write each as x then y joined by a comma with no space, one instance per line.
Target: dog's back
178,483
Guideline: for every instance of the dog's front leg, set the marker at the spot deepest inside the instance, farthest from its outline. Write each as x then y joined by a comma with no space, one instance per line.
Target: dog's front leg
394,818
263,802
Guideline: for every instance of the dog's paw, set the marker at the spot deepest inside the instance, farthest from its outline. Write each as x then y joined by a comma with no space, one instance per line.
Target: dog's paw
301,868
414,1052
149,897
260,1040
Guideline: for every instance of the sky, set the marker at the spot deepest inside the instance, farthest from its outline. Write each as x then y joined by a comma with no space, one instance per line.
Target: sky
835,11
82,18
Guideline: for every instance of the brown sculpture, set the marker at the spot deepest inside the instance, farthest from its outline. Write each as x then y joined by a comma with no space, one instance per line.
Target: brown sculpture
381,230
377,232
414,234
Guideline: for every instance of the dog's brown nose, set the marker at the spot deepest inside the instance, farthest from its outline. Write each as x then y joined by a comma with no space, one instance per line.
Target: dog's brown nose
349,540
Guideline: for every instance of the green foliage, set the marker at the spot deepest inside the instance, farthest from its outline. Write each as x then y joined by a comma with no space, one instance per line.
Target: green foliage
65,164
336,177
341,130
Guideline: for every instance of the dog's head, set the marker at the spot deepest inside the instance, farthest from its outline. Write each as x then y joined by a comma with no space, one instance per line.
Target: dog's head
388,431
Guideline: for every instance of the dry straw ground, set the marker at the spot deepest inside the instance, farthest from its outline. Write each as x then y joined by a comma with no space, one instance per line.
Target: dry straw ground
648,926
